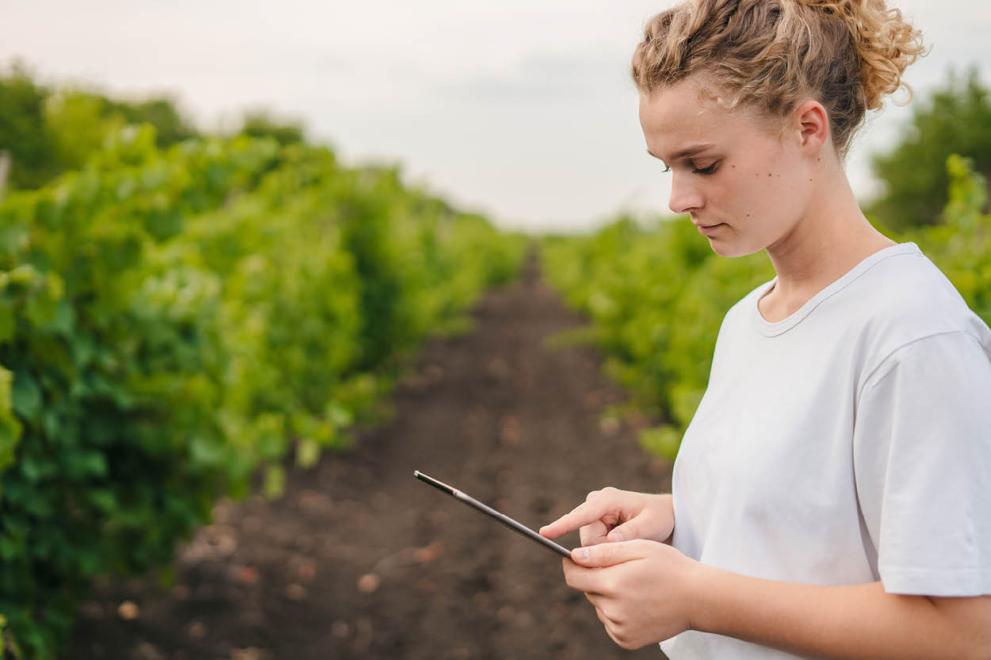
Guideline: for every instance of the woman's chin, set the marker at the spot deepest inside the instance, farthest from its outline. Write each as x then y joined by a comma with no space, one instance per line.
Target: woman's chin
720,248
729,248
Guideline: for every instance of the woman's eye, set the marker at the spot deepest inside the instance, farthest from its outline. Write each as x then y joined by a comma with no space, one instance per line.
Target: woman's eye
709,169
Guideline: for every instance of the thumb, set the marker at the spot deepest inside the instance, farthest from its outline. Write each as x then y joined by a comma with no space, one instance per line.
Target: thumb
610,554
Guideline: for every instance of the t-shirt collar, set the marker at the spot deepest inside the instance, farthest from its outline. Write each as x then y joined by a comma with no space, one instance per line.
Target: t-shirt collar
770,329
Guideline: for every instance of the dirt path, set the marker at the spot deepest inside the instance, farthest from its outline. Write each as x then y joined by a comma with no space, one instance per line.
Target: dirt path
361,560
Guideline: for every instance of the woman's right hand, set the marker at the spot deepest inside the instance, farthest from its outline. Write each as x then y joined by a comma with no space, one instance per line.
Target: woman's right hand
611,514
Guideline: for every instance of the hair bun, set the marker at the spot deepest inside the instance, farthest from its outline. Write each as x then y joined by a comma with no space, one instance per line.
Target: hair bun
884,40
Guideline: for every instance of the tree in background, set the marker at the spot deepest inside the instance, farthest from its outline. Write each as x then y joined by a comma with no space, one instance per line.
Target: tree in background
955,119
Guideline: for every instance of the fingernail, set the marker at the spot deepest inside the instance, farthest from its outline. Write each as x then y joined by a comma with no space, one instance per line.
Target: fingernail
583,554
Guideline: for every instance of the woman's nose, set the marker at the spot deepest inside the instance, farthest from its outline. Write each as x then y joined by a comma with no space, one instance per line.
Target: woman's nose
684,196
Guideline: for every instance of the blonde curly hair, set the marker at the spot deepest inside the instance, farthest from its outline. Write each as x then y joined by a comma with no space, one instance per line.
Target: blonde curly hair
771,54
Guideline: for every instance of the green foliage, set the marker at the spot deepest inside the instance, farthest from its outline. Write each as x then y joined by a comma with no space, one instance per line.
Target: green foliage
161,112
48,132
174,322
955,119
961,247
113,412
656,297
10,428
22,129
77,125
261,124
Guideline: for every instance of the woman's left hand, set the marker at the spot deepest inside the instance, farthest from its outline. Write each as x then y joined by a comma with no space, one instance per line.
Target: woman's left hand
643,591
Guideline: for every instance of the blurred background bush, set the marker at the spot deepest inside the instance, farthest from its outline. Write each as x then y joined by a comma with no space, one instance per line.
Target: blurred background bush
181,314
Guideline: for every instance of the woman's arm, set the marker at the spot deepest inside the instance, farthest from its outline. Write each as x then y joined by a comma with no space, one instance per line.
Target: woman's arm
856,621
644,592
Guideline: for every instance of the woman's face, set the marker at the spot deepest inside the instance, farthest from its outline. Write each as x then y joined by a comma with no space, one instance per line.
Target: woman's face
731,170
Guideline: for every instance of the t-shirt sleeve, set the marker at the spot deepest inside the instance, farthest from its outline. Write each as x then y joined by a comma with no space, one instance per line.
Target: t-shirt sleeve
922,464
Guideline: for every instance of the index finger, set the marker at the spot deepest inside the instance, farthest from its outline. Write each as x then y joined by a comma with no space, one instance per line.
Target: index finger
583,514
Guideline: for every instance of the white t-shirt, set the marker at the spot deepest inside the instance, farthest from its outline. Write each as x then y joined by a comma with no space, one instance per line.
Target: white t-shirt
847,443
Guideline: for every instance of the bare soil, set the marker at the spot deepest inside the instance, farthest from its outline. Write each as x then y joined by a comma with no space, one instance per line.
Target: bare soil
360,560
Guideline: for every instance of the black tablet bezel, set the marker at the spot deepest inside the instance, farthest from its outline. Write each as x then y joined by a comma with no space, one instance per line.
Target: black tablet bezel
489,511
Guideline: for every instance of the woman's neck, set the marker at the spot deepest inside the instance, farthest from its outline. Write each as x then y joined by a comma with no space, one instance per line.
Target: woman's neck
831,238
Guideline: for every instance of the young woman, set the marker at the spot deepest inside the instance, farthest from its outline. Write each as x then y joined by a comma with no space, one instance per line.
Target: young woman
832,491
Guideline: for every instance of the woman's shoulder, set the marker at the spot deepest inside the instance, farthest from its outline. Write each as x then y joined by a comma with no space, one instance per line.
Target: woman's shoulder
904,300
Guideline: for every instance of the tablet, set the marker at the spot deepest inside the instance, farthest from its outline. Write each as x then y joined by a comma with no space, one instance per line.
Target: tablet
489,511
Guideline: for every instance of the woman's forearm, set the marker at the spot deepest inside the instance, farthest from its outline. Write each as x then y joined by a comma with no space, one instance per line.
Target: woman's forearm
856,621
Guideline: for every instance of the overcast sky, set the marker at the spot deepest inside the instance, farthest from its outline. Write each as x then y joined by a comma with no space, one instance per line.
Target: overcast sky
520,109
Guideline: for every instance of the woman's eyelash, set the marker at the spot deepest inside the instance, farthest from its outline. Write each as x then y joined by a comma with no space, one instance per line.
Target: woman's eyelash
696,170
705,170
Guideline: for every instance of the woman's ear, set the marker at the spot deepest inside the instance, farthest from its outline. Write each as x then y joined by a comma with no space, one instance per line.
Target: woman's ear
811,121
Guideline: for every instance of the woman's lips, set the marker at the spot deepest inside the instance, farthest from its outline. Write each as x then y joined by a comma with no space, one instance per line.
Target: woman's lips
710,228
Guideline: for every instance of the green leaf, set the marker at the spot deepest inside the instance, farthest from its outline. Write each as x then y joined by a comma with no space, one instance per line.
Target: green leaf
307,452
86,464
103,499
274,482
206,451
8,323
10,428
9,548
26,396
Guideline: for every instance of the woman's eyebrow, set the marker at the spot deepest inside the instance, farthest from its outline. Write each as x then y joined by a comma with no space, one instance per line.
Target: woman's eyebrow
686,152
